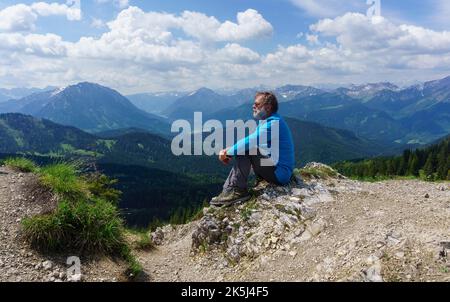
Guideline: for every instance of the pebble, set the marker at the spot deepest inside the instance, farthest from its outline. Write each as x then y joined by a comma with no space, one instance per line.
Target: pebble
400,255
47,265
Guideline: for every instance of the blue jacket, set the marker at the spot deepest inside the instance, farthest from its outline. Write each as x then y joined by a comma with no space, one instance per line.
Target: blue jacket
286,154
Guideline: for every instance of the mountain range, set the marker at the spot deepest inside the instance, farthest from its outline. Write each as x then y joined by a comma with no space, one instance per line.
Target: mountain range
155,103
87,106
17,93
381,112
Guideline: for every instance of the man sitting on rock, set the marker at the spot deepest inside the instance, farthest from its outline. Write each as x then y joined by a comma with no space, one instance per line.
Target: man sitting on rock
271,134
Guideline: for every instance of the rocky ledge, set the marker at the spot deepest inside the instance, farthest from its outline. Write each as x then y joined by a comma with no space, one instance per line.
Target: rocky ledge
276,218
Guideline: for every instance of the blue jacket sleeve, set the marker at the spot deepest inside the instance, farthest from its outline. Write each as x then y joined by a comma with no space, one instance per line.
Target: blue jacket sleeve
251,141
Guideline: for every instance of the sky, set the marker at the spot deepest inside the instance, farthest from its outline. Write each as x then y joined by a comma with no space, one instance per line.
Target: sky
148,46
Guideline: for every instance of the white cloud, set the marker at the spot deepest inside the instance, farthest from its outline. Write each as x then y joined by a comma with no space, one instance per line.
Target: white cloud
72,12
145,51
118,3
250,25
236,54
359,32
48,45
21,17
147,38
18,17
312,39
97,23
329,8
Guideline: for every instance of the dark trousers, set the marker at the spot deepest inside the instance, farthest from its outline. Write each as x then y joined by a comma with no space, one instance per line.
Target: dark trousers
238,177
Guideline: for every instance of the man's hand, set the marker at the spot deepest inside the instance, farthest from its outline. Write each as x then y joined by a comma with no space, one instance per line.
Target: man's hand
223,157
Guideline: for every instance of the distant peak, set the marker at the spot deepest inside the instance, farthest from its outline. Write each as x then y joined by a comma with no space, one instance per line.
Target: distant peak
202,90
87,84
57,91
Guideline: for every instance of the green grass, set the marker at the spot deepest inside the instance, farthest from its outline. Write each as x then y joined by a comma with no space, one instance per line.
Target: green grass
144,243
108,144
86,219
247,211
21,164
323,172
63,180
86,226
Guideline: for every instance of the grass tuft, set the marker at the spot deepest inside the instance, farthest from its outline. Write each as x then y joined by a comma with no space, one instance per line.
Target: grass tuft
63,180
86,219
144,243
322,172
85,226
21,164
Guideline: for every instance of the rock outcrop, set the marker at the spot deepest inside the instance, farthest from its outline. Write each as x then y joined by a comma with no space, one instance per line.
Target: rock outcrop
327,228
275,219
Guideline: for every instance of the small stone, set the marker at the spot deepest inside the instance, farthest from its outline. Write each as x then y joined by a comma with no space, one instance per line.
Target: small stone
265,196
305,236
274,239
157,237
47,265
400,255
373,273
372,259
317,227
300,192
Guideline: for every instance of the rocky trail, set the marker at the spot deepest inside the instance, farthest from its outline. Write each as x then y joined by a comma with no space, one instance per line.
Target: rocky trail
325,229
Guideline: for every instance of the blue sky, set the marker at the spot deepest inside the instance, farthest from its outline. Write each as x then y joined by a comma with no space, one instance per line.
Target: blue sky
141,45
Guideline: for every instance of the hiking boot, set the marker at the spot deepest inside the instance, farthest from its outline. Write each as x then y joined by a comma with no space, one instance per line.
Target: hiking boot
220,196
231,197
258,180
260,184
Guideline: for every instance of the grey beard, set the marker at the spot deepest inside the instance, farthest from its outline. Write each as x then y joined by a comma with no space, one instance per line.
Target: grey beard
260,115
